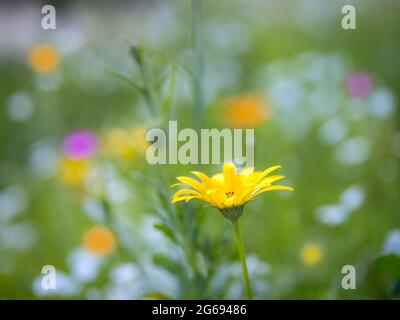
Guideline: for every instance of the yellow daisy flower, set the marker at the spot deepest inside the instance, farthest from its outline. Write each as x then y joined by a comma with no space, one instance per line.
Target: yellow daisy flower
228,191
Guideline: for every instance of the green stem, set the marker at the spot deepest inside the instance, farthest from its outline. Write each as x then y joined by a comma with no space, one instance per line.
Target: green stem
148,89
198,63
242,254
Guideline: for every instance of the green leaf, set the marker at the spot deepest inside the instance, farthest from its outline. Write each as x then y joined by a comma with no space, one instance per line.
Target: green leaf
126,80
166,230
167,263
157,296
389,264
395,290
169,101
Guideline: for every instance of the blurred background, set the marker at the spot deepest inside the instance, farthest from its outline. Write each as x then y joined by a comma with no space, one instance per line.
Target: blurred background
77,193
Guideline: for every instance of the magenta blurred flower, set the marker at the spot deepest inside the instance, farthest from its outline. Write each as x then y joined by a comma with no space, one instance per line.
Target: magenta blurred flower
359,84
80,144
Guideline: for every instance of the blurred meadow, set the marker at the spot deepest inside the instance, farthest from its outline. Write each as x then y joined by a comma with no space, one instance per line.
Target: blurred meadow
77,193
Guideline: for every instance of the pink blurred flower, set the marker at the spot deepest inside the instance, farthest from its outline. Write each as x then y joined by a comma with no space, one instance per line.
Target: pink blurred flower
359,84
80,144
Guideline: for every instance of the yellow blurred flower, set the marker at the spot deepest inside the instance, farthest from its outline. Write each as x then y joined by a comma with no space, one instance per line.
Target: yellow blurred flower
138,135
311,254
44,58
99,240
74,171
117,142
125,144
247,111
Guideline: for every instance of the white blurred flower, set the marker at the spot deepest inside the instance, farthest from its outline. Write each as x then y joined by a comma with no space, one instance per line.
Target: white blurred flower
13,200
333,131
229,276
18,237
49,82
20,106
124,272
172,28
93,294
154,240
116,190
43,158
307,14
286,93
83,265
257,268
94,210
382,103
127,282
161,280
353,197
125,292
70,37
220,75
332,214
300,124
219,36
65,286
353,151
323,103
355,109
392,242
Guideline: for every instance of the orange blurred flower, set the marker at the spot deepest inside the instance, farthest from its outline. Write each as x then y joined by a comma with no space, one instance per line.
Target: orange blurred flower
247,111
99,240
44,58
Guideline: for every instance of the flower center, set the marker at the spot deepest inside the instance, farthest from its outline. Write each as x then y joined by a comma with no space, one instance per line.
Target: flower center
230,194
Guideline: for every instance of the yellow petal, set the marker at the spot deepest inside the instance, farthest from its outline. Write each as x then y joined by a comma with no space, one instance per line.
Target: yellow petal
216,197
229,202
204,178
241,195
268,181
230,176
247,171
186,198
270,188
267,172
219,178
188,192
178,184
191,183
